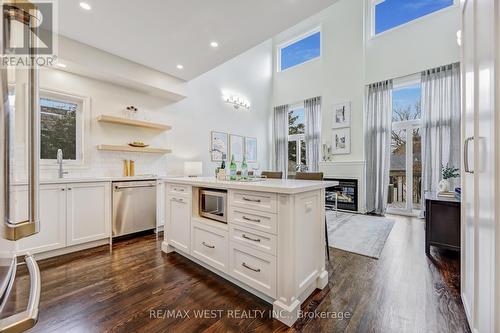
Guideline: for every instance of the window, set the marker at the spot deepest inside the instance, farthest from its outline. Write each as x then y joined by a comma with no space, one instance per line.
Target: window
299,51
405,175
389,14
296,140
61,126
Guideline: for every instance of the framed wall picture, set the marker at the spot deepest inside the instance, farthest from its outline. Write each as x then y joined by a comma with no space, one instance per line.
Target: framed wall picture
251,149
341,115
236,147
219,146
341,141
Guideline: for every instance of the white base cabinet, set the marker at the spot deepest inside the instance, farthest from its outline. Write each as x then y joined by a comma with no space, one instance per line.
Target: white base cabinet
52,235
178,221
70,214
89,212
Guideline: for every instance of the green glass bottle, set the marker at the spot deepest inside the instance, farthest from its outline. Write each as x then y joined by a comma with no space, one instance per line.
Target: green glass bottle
232,169
244,168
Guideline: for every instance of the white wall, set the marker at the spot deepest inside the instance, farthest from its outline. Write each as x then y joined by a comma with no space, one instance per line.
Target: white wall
337,76
425,43
192,118
248,75
352,58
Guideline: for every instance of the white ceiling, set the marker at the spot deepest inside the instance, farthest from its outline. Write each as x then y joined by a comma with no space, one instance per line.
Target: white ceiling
163,33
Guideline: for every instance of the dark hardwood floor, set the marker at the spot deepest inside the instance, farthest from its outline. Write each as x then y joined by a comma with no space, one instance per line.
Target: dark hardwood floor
95,291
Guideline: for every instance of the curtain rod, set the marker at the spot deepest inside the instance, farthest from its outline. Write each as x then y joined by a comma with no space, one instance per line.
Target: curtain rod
412,74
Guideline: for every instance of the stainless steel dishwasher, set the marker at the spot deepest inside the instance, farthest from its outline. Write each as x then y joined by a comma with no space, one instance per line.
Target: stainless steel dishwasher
134,206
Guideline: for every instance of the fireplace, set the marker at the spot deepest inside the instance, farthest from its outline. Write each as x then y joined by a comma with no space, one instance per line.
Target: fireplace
347,194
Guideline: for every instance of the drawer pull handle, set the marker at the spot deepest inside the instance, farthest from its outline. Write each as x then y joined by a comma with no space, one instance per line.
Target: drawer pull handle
209,246
250,268
179,189
250,238
249,219
251,200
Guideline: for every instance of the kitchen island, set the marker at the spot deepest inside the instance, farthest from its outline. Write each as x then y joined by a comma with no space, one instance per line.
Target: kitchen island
273,241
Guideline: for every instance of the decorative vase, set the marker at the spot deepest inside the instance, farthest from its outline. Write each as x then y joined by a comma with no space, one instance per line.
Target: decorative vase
444,185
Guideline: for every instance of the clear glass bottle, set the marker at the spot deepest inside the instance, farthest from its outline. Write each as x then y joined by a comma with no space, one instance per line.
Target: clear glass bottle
244,168
232,168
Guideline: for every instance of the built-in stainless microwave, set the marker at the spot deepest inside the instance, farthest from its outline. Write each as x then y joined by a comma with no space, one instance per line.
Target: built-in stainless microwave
212,205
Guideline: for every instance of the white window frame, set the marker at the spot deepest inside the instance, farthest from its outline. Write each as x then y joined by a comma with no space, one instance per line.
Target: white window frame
373,3
296,137
294,40
82,128
408,126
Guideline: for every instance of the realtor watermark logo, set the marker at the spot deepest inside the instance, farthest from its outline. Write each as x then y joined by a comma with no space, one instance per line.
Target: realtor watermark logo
243,314
30,33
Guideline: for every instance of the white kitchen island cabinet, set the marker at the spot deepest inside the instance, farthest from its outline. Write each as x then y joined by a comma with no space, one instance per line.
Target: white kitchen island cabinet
273,244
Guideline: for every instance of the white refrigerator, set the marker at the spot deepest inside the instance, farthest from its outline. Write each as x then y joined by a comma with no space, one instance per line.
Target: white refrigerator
480,248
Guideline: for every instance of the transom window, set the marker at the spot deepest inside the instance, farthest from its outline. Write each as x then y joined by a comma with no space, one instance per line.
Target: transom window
61,126
296,140
300,50
389,14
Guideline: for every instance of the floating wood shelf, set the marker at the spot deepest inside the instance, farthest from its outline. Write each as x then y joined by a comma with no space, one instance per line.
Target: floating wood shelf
133,122
134,149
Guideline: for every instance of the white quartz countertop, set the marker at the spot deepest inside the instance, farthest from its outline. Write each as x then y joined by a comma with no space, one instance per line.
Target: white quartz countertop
71,180
284,186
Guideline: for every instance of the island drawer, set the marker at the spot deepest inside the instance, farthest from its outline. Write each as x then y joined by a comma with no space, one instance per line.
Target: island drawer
210,245
255,239
262,221
267,202
178,189
254,268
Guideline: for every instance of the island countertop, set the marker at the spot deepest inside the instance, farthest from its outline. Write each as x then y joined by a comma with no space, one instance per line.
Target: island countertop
283,186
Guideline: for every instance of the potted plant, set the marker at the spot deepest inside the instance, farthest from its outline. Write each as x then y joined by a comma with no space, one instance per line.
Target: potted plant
448,172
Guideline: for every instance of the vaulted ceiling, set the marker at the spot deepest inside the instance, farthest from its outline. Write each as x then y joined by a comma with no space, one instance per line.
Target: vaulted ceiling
163,34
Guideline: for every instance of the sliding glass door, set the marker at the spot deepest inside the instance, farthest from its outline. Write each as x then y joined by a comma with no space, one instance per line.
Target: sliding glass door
405,174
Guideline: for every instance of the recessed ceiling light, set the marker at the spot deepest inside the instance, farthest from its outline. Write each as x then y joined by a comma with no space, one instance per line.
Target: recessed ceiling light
60,64
214,44
180,66
85,5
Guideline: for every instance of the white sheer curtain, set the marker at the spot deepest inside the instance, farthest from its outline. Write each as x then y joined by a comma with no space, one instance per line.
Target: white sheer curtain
377,145
440,123
312,109
280,125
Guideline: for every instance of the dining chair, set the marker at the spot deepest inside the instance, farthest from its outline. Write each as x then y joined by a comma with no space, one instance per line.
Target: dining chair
272,174
315,176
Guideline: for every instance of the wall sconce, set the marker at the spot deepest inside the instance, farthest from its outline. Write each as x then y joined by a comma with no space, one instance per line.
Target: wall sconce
237,102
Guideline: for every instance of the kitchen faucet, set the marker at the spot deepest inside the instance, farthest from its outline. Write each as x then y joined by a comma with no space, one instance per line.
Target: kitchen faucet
60,162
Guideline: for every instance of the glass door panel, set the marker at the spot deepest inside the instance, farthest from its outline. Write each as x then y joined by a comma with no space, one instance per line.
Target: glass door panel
292,157
397,173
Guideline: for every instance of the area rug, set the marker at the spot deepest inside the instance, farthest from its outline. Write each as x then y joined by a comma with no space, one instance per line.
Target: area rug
360,234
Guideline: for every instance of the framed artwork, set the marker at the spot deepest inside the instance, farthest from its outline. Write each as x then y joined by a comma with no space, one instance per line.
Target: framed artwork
341,141
218,146
341,115
236,147
251,149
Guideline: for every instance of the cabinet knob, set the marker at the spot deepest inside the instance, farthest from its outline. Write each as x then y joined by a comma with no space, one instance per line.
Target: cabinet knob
63,189
69,189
